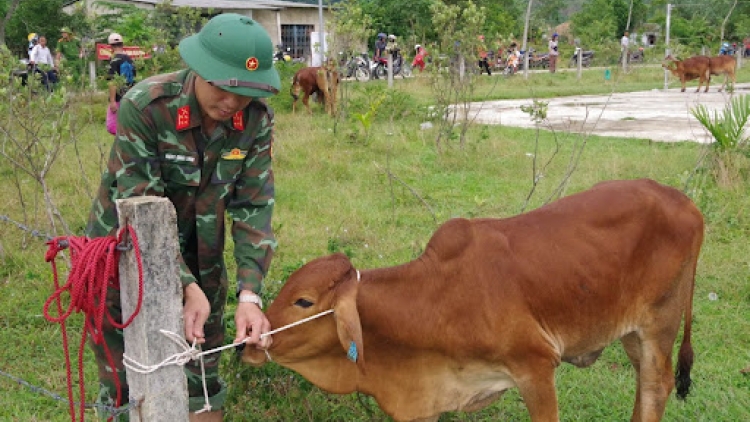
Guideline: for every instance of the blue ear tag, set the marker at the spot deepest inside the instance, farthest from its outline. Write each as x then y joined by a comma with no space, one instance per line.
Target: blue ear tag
352,353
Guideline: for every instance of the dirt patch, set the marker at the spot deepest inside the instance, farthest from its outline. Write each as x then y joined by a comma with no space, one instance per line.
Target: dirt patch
657,115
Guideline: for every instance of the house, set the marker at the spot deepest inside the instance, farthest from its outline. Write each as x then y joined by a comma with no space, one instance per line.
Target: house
290,24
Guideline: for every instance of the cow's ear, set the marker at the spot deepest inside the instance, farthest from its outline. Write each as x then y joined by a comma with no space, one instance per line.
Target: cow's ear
347,321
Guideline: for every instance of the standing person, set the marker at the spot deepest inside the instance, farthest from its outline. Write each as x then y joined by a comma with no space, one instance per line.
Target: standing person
553,53
483,62
624,42
419,57
380,46
69,50
392,46
119,65
514,59
40,61
202,138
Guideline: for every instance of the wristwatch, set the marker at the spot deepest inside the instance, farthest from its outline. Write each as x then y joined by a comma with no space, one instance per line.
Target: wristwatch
250,297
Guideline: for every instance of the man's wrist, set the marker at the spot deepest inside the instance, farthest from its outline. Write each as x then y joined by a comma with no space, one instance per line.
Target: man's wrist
246,296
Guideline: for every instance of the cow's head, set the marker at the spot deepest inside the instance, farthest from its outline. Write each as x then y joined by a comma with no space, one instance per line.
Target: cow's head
295,89
326,283
669,63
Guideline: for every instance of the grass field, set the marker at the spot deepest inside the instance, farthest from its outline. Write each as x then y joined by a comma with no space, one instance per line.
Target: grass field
333,194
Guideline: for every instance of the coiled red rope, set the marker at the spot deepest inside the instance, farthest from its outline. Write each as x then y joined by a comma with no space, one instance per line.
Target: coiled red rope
94,269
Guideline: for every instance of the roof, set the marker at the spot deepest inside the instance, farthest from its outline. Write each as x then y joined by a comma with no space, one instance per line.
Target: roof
223,4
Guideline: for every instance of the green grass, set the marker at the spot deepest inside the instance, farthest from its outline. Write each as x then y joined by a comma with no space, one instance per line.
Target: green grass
333,194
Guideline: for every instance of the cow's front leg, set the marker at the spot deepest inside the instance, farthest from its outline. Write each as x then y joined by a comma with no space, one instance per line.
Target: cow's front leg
536,383
306,101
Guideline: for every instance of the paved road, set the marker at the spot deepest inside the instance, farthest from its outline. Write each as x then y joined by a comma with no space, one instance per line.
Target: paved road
657,114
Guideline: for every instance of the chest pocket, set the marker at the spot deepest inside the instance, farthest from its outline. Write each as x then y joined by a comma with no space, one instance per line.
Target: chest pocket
229,166
180,169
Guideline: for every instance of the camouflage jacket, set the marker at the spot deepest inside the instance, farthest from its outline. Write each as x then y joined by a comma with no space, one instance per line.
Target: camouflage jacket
160,150
70,48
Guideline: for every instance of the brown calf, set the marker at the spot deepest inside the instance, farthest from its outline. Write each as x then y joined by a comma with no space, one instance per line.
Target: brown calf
494,304
722,65
306,81
696,67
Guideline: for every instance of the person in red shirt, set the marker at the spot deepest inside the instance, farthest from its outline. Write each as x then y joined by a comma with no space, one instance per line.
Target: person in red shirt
419,58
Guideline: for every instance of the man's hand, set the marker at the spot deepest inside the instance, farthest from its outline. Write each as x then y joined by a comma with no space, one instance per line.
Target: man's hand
195,313
250,321
113,108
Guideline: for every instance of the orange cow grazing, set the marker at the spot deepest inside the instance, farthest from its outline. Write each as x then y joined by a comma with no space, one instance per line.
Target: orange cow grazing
306,82
493,304
722,65
696,67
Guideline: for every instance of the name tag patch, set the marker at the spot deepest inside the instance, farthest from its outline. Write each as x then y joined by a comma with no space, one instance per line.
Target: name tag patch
178,158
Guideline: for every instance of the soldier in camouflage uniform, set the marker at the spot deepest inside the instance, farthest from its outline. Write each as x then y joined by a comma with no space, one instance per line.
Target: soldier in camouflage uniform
69,50
202,138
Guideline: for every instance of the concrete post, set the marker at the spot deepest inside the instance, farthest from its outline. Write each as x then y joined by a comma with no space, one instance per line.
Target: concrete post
92,75
390,70
162,394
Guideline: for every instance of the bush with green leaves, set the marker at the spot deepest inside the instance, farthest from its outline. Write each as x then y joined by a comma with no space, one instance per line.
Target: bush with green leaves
729,159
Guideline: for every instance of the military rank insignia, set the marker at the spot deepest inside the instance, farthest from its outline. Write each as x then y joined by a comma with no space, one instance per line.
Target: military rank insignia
183,117
238,120
234,154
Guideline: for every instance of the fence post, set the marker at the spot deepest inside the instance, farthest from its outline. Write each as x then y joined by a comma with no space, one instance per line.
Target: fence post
162,395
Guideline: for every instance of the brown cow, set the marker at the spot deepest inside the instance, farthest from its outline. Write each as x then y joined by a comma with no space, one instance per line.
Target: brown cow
696,67
722,65
306,81
498,303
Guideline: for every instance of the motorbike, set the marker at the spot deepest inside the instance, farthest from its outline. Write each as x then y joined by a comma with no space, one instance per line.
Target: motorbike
281,55
727,50
587,56
357,67
379,66
638,56
538,61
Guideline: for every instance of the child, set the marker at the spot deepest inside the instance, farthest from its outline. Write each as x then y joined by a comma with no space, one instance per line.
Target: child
419,58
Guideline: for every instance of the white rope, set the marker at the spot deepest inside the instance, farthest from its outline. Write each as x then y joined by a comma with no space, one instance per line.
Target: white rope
189,353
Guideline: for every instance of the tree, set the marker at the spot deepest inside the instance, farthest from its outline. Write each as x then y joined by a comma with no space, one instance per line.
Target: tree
43,17
453,79
9,10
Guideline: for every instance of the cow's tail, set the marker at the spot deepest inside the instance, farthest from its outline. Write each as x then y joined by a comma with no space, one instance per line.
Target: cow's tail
294,89
685,355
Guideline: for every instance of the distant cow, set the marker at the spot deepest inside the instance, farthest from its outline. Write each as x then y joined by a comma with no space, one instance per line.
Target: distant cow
696,67
306,82
493,304
722,65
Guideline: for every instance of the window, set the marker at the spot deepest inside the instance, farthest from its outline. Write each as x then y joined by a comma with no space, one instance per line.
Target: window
297,39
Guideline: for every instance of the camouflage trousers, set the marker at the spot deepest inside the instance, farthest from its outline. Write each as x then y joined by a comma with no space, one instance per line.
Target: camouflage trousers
214,330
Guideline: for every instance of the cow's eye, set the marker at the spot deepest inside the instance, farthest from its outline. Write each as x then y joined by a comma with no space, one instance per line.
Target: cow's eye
303,303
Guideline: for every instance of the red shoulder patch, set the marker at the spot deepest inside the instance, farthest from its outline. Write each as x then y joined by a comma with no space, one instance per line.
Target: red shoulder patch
183,117
238,120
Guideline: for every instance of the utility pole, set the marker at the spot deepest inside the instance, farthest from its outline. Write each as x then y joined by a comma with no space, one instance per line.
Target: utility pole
525,42
321,33
667,51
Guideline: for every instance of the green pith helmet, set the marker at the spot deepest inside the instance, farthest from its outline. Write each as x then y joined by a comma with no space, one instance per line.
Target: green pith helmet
66,29
234,53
